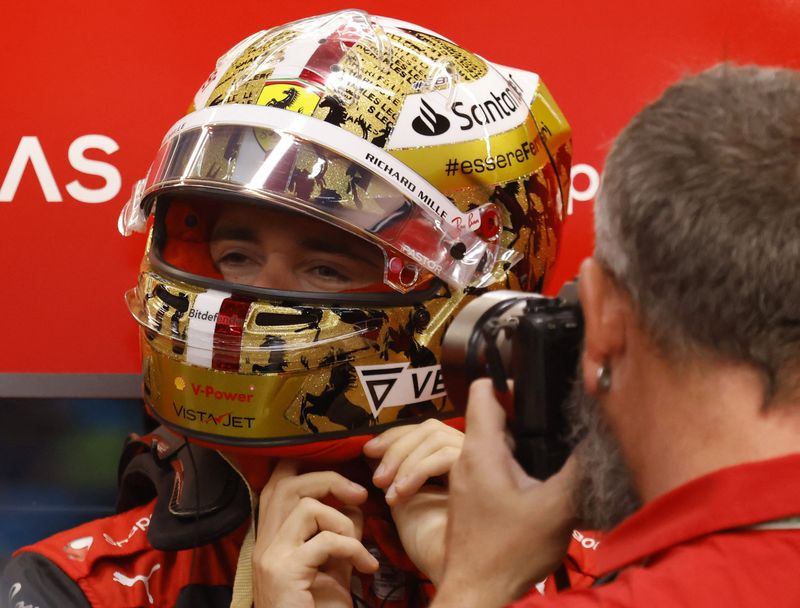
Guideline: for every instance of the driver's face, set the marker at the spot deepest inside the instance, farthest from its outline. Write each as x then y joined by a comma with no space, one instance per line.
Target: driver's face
273,249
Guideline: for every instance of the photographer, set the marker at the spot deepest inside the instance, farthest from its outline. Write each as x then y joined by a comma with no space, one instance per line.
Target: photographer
690,363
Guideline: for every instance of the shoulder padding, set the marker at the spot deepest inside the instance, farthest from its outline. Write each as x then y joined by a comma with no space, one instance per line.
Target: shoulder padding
200,497
30,579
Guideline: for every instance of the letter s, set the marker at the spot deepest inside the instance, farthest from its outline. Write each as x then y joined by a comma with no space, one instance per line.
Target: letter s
94,167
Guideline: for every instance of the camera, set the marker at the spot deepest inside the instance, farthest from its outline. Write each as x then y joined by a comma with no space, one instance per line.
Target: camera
533,340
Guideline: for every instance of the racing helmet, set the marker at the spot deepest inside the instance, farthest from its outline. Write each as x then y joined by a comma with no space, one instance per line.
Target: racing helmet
445,172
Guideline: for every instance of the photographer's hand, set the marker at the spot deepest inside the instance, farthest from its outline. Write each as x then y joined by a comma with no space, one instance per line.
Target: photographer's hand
506,531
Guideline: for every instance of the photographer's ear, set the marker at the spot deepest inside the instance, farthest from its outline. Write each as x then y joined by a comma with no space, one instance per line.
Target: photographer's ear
604,310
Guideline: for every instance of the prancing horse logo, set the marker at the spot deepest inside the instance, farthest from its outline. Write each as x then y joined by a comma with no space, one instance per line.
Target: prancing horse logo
292,95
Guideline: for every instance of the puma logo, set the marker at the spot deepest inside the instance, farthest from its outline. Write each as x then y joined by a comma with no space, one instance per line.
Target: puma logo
141,578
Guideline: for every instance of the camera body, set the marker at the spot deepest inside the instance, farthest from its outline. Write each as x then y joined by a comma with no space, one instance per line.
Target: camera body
533,340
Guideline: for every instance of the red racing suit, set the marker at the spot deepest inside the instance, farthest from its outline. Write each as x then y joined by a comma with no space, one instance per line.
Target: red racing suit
183,515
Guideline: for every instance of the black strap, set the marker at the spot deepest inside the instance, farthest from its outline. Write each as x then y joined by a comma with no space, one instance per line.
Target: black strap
561,578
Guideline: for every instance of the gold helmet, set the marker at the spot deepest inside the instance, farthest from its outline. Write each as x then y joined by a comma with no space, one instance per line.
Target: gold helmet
453,171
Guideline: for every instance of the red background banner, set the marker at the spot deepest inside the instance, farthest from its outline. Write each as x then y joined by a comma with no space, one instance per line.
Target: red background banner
100,82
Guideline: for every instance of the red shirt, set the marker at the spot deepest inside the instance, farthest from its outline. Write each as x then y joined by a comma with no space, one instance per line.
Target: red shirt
697,545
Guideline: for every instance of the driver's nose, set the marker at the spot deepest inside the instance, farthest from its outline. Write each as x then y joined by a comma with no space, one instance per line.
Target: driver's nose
277,273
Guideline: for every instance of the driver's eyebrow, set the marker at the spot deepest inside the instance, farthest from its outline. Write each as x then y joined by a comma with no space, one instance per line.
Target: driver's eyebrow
339,248
232,232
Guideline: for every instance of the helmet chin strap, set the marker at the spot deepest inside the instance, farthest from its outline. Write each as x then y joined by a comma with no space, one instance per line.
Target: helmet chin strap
242,594
255,463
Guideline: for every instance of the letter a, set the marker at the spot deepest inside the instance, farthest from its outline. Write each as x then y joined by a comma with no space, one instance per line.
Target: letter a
29,149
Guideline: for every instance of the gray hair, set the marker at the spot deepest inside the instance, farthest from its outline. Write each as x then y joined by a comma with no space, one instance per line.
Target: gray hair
699,218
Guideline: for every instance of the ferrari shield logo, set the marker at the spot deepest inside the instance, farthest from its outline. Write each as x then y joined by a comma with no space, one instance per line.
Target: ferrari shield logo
289,95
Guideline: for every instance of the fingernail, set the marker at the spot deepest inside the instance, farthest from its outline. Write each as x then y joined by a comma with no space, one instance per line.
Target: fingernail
379,471
400,481
391,493
357,486
374,442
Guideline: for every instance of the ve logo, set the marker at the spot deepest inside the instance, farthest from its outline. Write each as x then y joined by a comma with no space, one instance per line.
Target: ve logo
397,384
429,122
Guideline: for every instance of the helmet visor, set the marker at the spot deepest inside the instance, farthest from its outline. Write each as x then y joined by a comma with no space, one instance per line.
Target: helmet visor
265,246
418,231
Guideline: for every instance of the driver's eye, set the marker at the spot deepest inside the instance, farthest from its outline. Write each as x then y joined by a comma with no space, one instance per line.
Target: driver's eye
326,272
233,258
